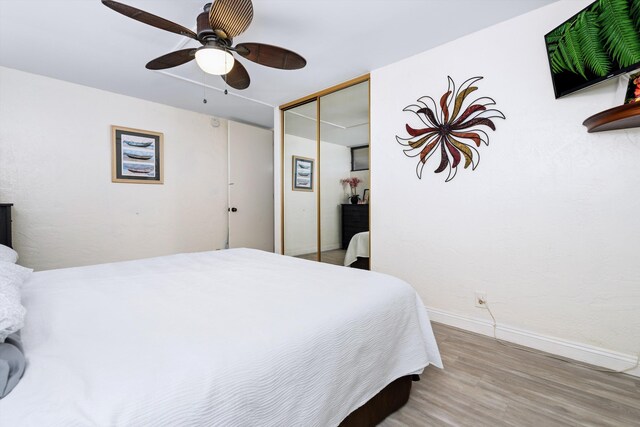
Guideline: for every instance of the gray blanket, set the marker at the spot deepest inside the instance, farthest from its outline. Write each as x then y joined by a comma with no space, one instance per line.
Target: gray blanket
12,363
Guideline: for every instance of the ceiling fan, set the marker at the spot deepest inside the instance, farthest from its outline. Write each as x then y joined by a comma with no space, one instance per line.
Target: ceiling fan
220,22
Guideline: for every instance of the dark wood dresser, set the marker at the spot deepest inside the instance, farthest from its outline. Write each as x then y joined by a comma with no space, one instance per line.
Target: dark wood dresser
355,219
5,224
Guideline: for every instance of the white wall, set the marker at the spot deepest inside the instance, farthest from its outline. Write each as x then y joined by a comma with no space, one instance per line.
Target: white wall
335,165
278,195
55,165
301,210
547,225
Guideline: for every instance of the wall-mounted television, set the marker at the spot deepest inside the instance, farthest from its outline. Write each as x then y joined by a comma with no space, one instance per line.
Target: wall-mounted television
599,42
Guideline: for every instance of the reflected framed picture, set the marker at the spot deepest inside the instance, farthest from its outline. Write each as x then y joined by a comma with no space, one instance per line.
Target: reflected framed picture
136,156
365,196
302,174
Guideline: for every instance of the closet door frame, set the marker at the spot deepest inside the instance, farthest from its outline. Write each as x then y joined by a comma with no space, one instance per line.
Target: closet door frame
301,101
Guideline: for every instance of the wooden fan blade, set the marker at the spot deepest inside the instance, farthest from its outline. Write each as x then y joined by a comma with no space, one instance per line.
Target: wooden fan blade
237,78
149,19
271,56
231,17
172,59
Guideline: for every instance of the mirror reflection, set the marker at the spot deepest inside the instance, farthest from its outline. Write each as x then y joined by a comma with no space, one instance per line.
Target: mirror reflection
300,182
344,175
326,178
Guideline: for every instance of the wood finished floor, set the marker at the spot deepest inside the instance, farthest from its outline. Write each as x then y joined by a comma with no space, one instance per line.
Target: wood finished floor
485,383
335,256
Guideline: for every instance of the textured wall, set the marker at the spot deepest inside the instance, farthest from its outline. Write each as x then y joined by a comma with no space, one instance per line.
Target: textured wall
547,225
335,165
55,165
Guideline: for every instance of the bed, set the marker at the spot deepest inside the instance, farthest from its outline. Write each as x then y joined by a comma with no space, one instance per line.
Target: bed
238,337
357,254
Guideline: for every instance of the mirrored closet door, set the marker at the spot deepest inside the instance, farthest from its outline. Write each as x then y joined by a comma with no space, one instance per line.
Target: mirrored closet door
300,190
336,123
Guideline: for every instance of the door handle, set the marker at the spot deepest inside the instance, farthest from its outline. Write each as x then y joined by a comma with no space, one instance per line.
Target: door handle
233,210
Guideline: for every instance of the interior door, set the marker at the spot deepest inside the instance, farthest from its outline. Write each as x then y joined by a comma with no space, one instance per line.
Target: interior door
318,136
344,124
250,187
300,182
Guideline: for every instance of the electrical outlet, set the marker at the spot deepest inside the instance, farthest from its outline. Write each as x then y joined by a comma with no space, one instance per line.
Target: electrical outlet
481,299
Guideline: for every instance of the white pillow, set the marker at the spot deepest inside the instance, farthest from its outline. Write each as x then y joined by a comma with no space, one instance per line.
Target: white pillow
11,310
14,273
7,254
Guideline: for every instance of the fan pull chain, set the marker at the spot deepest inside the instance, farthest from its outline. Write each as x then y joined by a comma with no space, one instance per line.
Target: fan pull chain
226,92
204,88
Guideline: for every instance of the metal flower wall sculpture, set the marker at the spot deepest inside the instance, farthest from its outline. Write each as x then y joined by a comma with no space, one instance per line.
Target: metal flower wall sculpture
452,130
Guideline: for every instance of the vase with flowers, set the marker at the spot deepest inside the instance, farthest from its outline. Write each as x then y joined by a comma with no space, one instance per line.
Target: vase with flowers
353,184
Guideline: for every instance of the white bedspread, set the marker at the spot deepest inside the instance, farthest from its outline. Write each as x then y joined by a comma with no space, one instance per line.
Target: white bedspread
228,338
358,247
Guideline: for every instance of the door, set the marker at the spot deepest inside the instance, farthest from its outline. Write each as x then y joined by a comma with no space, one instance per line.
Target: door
250,187
344,125
300,181
320,174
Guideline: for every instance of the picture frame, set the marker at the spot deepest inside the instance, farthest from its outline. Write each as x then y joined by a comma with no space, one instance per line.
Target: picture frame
136,156
365,196
632,93
302,173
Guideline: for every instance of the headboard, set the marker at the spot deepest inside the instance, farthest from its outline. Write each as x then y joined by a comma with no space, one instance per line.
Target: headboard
5,224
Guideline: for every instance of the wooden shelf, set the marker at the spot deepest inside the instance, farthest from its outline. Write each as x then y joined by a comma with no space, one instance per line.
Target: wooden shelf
621,117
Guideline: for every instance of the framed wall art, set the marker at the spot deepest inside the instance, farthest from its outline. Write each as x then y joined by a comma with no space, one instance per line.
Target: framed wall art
454,130
136,156
302,174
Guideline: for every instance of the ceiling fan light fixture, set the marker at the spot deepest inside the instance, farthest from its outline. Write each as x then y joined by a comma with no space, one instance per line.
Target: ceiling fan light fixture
217,26
214,60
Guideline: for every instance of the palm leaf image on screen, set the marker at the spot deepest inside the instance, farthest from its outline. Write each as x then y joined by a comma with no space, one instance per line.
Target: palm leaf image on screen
600,41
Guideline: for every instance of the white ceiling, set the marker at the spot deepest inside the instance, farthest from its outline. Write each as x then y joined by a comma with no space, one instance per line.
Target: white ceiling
84,42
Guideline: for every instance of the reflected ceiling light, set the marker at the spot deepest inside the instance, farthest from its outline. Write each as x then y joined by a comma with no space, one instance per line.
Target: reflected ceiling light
214,60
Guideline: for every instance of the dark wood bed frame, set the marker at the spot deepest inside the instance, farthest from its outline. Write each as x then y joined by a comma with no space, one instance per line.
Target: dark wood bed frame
387,401
361,263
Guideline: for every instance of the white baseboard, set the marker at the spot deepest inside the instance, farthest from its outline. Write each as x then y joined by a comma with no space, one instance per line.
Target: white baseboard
310,250
572,350
331,247
301,251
